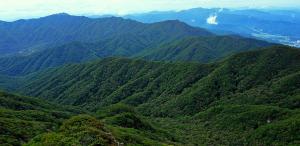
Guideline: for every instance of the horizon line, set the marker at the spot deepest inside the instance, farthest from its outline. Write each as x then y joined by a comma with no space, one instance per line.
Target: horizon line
99,15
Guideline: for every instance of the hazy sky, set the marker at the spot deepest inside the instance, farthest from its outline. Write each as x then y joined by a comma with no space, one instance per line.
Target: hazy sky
15,9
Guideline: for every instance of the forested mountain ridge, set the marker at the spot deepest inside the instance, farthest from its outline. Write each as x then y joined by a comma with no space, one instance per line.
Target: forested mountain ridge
22,118
69,53
27,36
114,81
249,98
199,49
31,121
203,49
143,83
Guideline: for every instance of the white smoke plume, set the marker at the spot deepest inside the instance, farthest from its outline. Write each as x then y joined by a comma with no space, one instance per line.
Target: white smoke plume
212,19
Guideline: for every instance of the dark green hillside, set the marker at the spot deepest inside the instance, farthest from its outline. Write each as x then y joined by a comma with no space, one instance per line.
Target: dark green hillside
79,130
203,49
70,53
25,119
130,128
149,36
22,118
87,130
250,98
235,75
63,28
9,83
27,36
174,29
235,124
75,52
113,80
156,87
200,49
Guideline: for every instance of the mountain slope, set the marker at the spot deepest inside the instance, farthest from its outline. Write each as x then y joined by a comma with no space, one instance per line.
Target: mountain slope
70,53
27,119
255,70
108,78
27,36
156,87
79,130
250,98
203,49
22,118
126,128
200,49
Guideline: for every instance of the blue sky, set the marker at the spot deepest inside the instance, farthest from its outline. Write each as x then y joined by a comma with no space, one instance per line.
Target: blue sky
15,9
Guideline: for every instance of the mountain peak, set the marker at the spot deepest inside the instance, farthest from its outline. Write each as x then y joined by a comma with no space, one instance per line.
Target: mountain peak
179,26
172,23
61,15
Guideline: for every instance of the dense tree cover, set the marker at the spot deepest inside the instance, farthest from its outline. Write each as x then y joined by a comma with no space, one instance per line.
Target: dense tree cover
200,49
251,98
124,128
69,53
38,122
236,124
131,128
22,118
79,130
112,80
157,87
27,36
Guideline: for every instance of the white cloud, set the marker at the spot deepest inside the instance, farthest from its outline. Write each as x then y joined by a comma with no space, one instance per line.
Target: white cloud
212,20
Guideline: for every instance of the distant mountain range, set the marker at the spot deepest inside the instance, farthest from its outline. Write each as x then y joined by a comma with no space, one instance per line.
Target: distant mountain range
38,44
270,25
27,36
167,40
